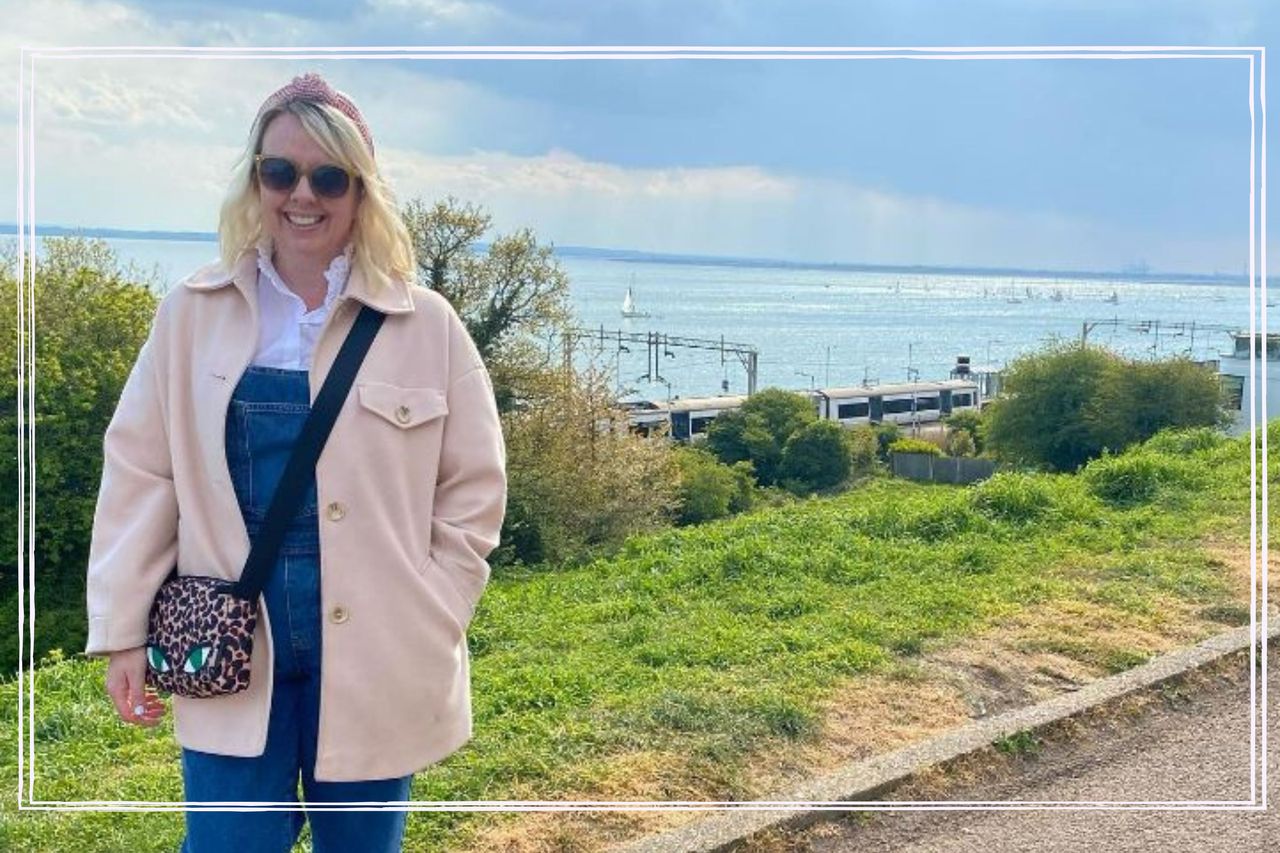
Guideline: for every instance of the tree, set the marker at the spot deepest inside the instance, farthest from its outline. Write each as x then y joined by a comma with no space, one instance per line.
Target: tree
514,292
444,236
1148,396
1067,404
90,316
816,456
1043,416
758,431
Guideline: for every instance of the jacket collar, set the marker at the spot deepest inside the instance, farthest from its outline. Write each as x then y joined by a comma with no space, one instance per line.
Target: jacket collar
393,299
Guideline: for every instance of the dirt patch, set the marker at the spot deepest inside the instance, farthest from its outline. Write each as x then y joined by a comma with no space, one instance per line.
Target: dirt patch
571,832
1233,555
868,716
633,777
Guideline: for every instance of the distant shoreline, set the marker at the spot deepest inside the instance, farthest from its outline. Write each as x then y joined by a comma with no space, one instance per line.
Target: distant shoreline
636,256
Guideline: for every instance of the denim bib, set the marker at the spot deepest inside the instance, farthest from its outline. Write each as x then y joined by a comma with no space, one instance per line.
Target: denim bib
268,409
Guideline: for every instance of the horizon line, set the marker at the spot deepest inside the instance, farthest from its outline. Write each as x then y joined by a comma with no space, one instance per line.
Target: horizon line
10,229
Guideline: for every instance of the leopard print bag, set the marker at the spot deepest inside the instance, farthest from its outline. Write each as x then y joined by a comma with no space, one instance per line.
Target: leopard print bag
200,638
200,629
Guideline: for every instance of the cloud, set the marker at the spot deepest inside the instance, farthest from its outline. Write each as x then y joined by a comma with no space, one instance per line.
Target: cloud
164,182
561,174
101,98
751,211
155,138
435,14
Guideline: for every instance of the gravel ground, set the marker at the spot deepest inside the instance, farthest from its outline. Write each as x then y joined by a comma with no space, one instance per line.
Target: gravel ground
1190,743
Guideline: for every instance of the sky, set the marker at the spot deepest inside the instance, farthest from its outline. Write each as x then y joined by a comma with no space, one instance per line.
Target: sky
1050,163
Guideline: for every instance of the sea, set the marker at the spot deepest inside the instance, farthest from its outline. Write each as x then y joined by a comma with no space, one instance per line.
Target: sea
823,326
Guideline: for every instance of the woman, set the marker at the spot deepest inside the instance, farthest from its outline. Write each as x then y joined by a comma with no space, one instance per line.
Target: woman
360,669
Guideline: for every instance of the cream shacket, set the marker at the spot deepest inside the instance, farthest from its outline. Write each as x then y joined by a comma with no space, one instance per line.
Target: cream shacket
414,503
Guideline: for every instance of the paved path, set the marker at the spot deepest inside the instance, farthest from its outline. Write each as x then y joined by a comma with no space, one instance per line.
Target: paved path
1196,749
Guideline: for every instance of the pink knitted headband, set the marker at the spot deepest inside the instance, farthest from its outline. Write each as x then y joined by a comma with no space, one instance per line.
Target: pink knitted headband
312,87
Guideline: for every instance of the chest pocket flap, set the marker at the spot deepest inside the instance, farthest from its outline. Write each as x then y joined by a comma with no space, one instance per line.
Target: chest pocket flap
404,407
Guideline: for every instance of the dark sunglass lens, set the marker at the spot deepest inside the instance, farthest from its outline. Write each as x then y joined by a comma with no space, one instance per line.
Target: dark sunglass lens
330,181
276,173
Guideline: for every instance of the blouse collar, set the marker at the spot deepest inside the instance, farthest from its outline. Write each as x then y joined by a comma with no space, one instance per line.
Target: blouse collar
335,276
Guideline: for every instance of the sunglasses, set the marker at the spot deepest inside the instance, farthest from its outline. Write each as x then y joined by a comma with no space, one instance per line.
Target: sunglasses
282,175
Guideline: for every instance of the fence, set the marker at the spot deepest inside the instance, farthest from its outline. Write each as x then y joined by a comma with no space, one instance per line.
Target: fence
941,469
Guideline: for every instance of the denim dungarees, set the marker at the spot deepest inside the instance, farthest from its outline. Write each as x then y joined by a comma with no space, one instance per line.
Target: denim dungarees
265,418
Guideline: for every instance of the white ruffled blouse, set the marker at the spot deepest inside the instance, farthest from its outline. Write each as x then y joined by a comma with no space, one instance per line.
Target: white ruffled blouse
287,331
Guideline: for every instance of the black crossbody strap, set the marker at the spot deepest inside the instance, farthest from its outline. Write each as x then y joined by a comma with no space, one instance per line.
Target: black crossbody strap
302,462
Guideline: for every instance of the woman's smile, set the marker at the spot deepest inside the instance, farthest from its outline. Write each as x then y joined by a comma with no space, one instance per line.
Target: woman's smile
308,230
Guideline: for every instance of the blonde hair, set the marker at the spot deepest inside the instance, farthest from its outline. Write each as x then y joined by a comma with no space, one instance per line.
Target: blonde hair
383,248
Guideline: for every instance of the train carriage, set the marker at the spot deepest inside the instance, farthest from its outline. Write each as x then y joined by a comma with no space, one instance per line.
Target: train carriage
914,402
909,403
691,416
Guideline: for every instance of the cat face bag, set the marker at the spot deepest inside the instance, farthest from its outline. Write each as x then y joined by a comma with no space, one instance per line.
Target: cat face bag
200,638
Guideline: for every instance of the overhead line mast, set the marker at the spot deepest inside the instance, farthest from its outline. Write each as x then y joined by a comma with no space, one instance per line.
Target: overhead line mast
659,344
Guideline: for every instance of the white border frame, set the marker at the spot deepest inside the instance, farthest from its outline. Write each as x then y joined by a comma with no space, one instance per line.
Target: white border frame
1256,57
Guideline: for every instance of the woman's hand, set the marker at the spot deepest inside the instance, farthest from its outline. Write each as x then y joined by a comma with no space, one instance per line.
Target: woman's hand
126,686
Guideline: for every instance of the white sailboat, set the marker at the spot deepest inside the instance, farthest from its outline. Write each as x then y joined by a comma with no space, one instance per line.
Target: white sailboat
629,306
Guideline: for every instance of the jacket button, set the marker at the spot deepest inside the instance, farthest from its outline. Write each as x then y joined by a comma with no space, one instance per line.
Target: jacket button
338,615
402,414
336,511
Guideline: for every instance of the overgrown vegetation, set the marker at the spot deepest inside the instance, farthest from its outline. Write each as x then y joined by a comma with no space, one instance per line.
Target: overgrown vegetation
690,650
966,434
710,489
90,316
574,488
1067,404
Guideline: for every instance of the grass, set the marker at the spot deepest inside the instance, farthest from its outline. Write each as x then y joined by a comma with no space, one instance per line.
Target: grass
1019,743
664,670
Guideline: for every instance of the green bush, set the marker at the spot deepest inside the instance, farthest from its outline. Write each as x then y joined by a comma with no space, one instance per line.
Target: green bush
576,490
815,457
864,448
970,422
960,442
709,489
522,538
1144,397
1067,404
90,316
886,434
1185,442
915,445
1014,497
1043,416
1136,477
758,431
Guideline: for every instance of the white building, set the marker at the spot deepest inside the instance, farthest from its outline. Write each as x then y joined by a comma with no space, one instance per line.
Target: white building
1233,368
